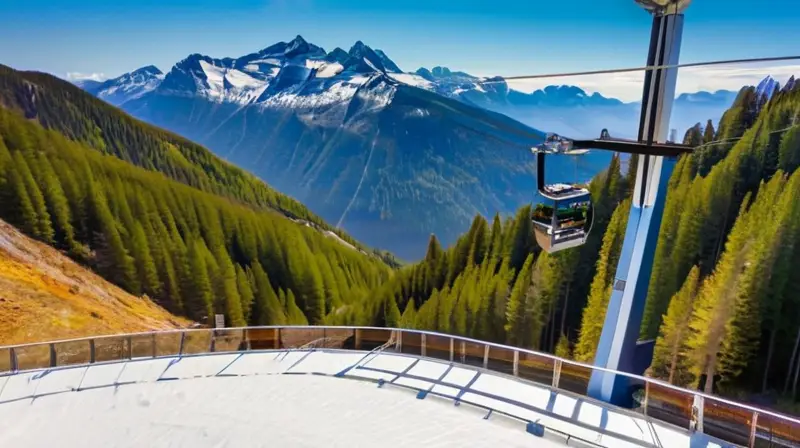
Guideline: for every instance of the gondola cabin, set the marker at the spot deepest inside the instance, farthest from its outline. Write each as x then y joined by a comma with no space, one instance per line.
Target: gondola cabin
560,219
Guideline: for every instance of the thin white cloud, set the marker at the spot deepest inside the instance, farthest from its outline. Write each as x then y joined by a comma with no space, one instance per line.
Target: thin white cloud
628,86
77,76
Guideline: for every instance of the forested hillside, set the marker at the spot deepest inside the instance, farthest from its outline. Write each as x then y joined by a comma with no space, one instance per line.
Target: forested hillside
494,284
723,300
57,104
195,252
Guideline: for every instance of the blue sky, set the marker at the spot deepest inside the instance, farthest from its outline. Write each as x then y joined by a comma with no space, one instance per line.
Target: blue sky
483,37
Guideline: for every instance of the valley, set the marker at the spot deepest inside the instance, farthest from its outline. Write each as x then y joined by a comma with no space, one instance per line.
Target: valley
369,147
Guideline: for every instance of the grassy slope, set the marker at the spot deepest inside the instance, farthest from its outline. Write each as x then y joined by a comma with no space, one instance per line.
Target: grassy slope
44,296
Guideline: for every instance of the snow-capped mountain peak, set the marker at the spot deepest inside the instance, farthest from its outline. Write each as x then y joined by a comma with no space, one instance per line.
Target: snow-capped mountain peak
363,59
128,86
148,70
337,55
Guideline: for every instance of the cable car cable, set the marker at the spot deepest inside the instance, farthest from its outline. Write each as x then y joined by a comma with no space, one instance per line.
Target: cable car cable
640,69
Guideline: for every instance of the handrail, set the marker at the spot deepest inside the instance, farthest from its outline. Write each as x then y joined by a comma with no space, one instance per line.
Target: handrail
756,411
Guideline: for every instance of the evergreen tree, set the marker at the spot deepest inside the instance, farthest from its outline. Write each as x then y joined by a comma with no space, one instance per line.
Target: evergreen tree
43,229
199,302
600,293
708,133
516,309
57,204
17,206
669,356
111,257
143,260
294,315
267,308
245,292
409,317
230,293
563,349
391,313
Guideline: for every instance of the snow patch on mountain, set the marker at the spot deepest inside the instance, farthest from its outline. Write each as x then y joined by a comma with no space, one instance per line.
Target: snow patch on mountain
230,85
315,95
412,80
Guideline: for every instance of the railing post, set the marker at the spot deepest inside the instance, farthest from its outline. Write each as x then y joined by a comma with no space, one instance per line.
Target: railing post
213,345
697,412
451,349
12,354
183,341
486,356
399,341
278,338
53,355
153,344
130,347
463,352
357,339
92,353
753,430
646,396
516,362
422,342
556,373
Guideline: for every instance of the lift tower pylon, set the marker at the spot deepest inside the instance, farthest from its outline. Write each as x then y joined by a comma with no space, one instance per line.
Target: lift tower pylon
618,341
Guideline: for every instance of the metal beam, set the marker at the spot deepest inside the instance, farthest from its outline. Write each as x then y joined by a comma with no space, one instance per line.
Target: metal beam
633,147
617,347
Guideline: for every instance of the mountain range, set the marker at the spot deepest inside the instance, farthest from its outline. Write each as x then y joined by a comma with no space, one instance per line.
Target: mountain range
564,109
389,156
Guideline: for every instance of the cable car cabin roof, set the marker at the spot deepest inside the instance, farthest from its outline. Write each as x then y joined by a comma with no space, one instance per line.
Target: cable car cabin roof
563,191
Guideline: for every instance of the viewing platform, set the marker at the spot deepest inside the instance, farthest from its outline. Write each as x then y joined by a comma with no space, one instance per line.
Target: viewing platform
342,386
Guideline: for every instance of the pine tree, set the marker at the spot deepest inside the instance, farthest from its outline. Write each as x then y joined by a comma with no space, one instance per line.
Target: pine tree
708,133
515,311
245,292
669,356
199,300
391,313
789,152
478,240
294,316
409,317
16,203
563,349
143,261
267,308
43,228
594,314
521,243
712,309
112,259
57,204
230,292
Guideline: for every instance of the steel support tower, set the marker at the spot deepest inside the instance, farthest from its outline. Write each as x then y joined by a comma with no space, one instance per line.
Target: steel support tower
617,347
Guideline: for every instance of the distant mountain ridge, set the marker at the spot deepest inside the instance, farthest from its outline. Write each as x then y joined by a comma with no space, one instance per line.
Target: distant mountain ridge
370,147
341,132
565,109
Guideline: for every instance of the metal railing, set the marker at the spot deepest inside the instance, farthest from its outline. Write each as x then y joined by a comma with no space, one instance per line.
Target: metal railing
691,410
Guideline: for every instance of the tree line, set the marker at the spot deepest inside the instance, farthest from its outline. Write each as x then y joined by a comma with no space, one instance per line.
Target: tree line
722,301
61,106
495,284
194,252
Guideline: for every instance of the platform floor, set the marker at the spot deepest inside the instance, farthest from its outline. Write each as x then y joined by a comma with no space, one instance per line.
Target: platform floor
295,399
